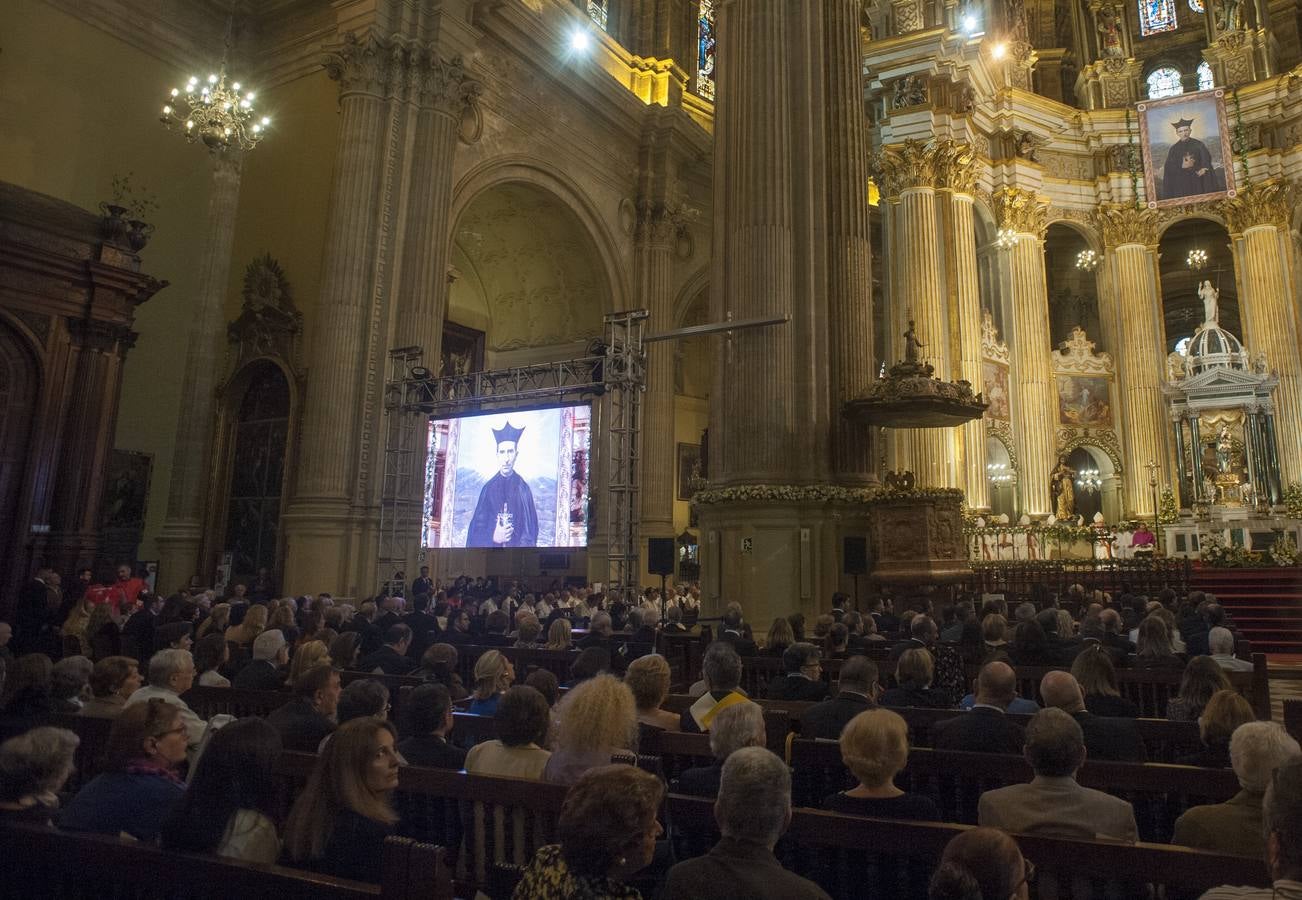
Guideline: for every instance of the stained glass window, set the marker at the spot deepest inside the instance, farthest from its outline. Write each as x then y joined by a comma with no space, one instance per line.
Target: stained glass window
1206,77
598,11
1156,16
1197,6
705,51
1164,82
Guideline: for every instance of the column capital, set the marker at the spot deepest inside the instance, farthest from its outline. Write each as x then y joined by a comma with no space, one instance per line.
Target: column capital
1260,203
657,224
1021,211
1123,224
393,68
946,164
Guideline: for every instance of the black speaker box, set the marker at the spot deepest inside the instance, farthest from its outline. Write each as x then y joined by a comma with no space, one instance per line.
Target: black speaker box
854,551
660,556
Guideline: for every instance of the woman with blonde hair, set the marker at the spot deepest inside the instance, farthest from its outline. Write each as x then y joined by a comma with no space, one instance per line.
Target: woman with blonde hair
242,635
1066,625
648,678
219,619
594,722
311,654
282,615
559,635
76,627
342,816
875,747
493,675
1226,711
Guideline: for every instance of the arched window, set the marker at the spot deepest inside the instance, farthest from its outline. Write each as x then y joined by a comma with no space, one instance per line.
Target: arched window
1206,77
257,471
1156,16
705,50
598,11
1164,82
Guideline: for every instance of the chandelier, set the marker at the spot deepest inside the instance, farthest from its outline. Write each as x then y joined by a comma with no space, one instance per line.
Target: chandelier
1197,259
1088,481
998,473
1087,260
1006,239
217,112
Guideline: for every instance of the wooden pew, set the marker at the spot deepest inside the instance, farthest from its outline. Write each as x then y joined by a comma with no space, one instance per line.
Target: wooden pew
211,701
956,780
853,857
46,863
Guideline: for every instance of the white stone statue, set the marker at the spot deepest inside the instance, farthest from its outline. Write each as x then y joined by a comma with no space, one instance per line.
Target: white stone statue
1209,295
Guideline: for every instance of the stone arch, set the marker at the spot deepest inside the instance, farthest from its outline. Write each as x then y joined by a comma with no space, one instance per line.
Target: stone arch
1090,235
1106,455
1099,445
697,284
1177,214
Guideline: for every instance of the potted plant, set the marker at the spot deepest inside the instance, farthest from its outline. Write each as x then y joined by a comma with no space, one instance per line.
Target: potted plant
124,216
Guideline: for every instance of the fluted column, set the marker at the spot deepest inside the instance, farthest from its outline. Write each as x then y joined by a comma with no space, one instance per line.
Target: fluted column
1130,242
1258,220
1034,399
654,248
179,538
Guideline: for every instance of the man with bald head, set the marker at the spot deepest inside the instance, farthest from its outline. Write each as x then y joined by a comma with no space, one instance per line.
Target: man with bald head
986,728
1106,737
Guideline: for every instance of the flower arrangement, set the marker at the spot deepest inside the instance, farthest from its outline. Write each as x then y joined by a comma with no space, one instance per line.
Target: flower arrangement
1219,555
1293,500
1284,551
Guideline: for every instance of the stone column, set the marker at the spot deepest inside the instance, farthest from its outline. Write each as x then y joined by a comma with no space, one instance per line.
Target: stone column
654,248
180,536
1130,246
1258,220
1034,397
1195,445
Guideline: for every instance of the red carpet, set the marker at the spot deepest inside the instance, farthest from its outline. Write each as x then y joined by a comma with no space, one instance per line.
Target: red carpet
1266,604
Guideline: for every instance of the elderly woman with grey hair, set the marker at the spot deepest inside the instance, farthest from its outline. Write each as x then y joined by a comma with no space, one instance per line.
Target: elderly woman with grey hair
1257,749
733,729
33,767
68,681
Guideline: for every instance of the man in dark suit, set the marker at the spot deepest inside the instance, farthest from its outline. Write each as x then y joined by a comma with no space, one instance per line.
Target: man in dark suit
753,810
887,622
1113,638
423,586
264,672
923,633
424,627
721,667
1106,737
391,658
1062,649
429,713
858,693
388,615
735,635
804,675
986,728
36,617
305,721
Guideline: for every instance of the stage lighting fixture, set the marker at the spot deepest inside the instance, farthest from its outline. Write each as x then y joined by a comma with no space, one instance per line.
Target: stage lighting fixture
580,40
420,373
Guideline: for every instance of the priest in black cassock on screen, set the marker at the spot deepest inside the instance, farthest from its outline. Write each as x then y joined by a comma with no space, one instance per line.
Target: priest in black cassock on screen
1188,171
505,515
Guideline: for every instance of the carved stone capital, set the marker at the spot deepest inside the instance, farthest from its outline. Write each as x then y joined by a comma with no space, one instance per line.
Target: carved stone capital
1123,224
104,337
944,164
956,168
1260,203
655,224
391,68
1021,211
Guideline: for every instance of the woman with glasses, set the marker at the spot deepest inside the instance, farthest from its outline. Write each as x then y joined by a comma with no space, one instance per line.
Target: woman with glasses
982,864
140,784
342,816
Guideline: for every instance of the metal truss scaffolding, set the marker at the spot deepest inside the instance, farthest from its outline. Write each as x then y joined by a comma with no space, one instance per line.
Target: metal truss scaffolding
614,373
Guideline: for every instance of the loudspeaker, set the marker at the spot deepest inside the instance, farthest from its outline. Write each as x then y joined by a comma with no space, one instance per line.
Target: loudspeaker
854,553
660,556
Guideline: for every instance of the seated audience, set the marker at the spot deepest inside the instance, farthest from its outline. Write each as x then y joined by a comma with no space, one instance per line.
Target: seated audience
1106,737
429,718
734,632
112,681
340,819
1257,749
803,675
362,698
1225,712
1030,645
922,634
33,768
753,811
599,633
311,653
1054,804
1202,678
588,664
391,658
674,615
229,806
559,635
174,636
982,864
914,673
1282,817
211,653
545,683
780,637
522,719
241,636
171,674
139,783
594,721
875,747
27,686
307,719
527,636
607,832
994,634
986,728
648,678
1221,643
265,672
493,675
439,665
721,668
68,679
346,651
1094,672
857,692
1155,649
736,727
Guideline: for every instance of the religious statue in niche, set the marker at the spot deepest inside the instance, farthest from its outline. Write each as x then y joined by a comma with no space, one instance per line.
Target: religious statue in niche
462,350
1224,449
1062,489
911,90
1229,15
1108,21
1209,296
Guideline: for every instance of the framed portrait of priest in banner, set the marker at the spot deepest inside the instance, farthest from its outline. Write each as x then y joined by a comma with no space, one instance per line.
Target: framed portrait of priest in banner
1187,149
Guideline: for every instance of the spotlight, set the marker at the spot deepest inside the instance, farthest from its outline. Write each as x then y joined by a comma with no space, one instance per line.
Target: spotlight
969,24
580,40
999,50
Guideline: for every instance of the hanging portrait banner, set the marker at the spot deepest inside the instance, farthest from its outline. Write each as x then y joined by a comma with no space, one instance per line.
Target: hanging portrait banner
1186,147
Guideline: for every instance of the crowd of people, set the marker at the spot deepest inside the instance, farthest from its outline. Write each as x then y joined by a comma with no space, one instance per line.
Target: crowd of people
170,777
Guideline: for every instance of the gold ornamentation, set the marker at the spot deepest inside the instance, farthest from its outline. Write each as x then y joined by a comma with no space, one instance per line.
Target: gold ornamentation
1123,224
1261,203
1078,356
911,164
1003,432
1021,211
991,346
1106,440
955,166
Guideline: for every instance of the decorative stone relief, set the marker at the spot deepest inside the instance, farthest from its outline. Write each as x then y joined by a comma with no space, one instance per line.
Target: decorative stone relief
1020,210
393,68
1105,439
909,91
1068,166
991,345
1076,356
269,323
